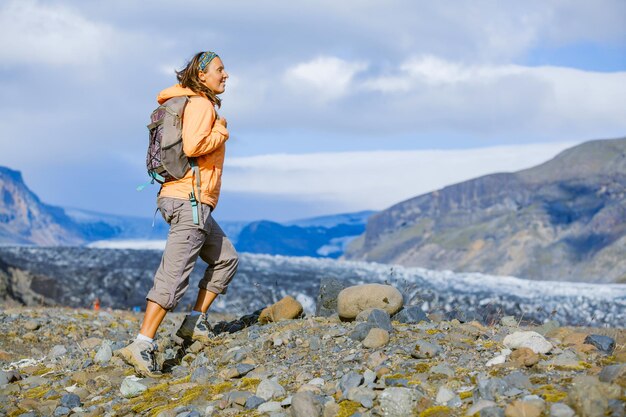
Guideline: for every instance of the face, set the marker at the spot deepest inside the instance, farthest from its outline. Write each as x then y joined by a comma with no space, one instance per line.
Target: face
215,76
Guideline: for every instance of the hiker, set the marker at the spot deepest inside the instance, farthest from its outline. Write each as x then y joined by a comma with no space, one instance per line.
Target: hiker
204,135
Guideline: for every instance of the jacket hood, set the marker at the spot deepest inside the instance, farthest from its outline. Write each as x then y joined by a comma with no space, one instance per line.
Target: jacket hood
174,91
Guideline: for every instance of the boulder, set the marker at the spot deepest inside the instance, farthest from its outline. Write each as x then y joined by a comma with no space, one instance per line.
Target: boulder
531,340
327,297
286,309
376,338
352,300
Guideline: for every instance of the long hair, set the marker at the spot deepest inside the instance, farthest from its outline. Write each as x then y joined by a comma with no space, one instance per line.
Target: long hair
188,78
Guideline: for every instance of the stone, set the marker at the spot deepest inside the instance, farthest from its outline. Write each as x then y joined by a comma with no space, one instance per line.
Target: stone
509,321
362,395
465,316
239,397
617,408
244,368
61,411
57,351
269,389
253,402
444,395
350,380
590,397
104,354
549,327
519,380
524,357
497,360
326,304
528,339
376,338
315,389
492,411
615,374
200,375
70,401
380,318
305,404
270,407
478,406
425,350
352,300
360,331
491,388
398,401
376,359
31,325
317,381
131,388
7,377
565,360
411,315
363,315
604,344
561,410
331,409
286,309
369,377
522,409
441,369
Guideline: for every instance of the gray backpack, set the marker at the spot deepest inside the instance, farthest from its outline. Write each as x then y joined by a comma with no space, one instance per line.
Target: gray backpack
166,160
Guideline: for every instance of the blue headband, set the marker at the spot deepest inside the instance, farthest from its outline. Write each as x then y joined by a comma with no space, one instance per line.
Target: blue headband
205,59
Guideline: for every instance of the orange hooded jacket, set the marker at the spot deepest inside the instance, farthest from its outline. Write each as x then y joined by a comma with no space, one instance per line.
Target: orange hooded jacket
204,140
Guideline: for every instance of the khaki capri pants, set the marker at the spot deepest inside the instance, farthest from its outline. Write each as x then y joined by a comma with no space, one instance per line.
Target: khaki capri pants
185,242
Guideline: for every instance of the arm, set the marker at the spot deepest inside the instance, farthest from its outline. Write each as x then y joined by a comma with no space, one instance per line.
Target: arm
201,135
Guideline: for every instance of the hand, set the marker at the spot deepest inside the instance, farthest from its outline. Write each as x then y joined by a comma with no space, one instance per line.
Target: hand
222,121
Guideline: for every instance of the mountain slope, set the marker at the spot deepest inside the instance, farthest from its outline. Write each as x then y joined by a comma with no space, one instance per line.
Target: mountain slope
24,219
562,220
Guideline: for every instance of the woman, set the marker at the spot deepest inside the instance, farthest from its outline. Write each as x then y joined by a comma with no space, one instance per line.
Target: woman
204,137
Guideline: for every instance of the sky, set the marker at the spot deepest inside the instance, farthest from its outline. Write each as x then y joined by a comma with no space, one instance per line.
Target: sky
332,106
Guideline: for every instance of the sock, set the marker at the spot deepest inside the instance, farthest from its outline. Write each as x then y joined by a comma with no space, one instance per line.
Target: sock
195,313
144,338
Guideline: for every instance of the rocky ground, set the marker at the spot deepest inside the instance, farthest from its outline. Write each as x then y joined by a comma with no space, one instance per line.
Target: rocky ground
57,362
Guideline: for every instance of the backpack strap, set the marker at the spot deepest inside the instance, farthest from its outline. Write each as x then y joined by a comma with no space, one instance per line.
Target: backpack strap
196,204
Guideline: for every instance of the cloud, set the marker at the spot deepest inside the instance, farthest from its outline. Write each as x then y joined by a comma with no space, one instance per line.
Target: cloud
79,79
427,93
43,34
374,180
325,77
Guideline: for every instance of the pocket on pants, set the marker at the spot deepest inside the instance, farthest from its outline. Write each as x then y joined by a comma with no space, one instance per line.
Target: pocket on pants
170,209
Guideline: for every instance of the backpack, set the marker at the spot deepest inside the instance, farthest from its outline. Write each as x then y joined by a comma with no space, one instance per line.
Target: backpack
166,160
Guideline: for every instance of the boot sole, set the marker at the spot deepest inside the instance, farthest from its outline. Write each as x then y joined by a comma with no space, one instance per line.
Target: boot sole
193,338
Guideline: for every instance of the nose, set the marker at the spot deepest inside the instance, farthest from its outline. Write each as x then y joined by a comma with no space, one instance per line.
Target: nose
226,75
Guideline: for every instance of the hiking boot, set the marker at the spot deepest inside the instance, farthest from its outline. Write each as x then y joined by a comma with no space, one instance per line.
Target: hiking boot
195,328
141,356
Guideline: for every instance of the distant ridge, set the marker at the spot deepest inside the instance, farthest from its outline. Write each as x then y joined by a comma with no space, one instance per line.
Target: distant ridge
24,219
561,220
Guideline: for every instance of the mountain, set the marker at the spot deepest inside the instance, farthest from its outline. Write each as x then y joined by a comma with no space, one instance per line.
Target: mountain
278,239
24,219
562,220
